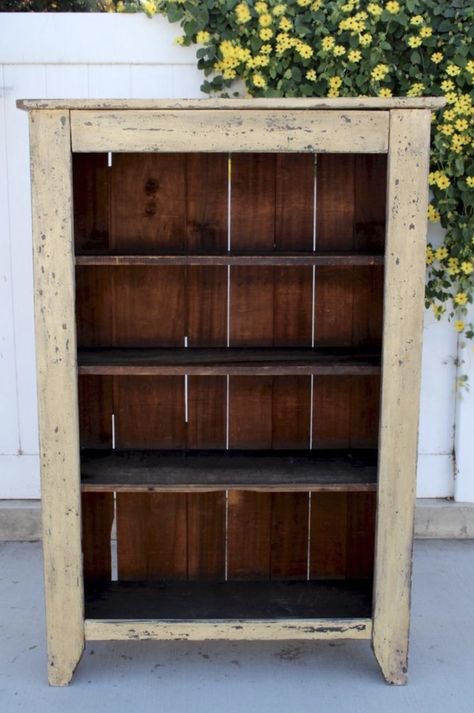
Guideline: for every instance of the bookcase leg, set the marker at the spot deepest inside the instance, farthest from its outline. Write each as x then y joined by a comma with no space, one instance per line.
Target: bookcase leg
61,668
393,662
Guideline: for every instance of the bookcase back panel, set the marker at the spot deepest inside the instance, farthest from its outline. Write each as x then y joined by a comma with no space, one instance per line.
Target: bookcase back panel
244,536
245,203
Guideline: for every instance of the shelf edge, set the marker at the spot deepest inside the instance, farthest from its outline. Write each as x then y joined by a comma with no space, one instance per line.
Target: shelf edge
226,629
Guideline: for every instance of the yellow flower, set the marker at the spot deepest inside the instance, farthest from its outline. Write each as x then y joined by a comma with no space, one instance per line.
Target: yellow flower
453,266
416,90
437,57
453,70
443,181
304,50
242,13
328,43
451,97
261,7
446,129
392,7
447,85
460,298
433,177
441,253
470,181
379,72
459,325
467,267
374,9
303,3
316,5
279,10
335,81
259,80
385,92
414,41
265,20
433,215
339,50
416,20
429,255
149,8
266,49
229,74
120,6
179,41
365,40
202,37
470,66
354,55
266,34
311,75
426,32
285,24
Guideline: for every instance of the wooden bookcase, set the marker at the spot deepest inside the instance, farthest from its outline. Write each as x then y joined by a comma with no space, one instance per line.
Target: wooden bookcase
229,300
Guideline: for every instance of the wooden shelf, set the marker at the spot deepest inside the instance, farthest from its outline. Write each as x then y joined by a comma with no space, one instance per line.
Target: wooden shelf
343,259
258,361
147,470
175,600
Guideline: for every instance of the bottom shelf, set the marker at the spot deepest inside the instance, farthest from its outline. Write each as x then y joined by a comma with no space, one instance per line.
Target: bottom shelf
188,600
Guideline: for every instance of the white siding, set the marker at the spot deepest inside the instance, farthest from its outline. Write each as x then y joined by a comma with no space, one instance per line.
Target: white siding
75,55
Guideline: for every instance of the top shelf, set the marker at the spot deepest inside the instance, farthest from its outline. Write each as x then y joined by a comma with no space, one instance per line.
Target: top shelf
339,259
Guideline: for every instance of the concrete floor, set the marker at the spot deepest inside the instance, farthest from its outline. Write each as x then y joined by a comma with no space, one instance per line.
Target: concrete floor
247,677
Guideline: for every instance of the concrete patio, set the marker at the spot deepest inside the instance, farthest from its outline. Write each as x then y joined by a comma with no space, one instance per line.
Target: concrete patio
247,677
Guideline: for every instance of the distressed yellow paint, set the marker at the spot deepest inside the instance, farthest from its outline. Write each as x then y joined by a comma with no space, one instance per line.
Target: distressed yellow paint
57,390
232,630
230,130
373,103
407,200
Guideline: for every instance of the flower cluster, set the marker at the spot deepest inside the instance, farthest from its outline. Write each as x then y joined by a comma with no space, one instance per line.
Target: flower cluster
351,48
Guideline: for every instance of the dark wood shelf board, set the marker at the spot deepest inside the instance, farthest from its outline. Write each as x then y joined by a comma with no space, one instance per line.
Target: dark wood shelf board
341,259
185,600
258,361
161,470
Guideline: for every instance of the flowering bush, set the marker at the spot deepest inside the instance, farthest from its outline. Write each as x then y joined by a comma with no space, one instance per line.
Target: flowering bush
352,48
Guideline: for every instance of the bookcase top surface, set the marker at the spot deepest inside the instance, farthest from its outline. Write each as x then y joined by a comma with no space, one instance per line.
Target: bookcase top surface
346,103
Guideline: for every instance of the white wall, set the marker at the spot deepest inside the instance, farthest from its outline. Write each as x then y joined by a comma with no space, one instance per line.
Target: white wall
75,55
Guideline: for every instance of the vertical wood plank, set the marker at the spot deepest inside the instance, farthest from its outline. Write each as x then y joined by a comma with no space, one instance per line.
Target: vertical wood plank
403,317
250,412
153,216
151,536
91,185
289,536
95,411
149,306
97,519
57,389
206,518
206,306
149,412
206,427
328,547
360,535
291,408
206,202
95,306
249,527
